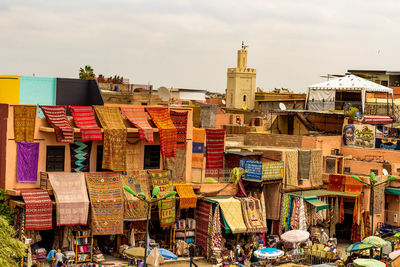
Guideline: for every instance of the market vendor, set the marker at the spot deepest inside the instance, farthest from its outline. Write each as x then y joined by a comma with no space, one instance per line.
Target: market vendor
253,248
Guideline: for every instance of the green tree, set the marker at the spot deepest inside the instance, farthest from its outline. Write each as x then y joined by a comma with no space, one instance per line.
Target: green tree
86,73
5,210
11,249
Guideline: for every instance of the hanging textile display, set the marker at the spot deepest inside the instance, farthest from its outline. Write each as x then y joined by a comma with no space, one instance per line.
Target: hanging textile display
38,209
114,150
138,181
177,165
316,167
138,117
215,143
106,203
199,137
187,197
24,123
379,199
284,211
166,208
204,217
336,182
179,119
133,154
291,166
27,162
341,211
167,131
352,185
80,156
302,216
216,232
252,215
304,164
71,196
86,122
272,191
56,116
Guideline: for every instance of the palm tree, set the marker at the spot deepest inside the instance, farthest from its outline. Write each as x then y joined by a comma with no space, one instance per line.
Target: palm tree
86,73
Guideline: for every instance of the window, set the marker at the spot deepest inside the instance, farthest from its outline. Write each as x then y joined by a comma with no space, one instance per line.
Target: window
151,157
346,170
244,98
384,83
99,160
374,171
55,158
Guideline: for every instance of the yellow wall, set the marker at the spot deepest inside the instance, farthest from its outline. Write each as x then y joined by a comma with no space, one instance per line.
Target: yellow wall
9,89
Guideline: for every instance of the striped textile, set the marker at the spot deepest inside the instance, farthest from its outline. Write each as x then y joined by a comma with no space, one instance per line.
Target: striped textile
167,130
86,122
114,150
56,116
38,209
215,143
138,117
179,119
203,218
24,123
106,202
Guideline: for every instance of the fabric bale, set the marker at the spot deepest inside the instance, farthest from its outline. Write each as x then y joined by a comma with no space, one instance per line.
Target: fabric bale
27,162
80,156
56,116
199,137
71,196
179,119
86,122
187,197
138,117
107,203
24,123
38,209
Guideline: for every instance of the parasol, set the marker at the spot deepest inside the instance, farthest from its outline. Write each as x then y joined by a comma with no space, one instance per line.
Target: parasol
268,253
368,263
358,246
376,241
166,254
295,236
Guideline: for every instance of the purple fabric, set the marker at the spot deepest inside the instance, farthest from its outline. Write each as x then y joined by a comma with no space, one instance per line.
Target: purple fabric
27,162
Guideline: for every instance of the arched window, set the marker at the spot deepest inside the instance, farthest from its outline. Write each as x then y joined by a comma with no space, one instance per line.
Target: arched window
244,98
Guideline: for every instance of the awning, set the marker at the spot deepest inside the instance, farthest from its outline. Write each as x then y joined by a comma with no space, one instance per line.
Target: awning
392,191
378,119
318,204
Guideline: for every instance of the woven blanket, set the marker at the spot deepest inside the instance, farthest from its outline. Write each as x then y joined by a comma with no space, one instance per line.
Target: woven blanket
316,168
177,166
166,208
86,122
80,156
304,164
336,182
138,118
138,181
167,130
216,231
187,197
272,192
179,119
252,215
114,150
203,217
106,202
215,139
291,166
56,116
27,162
38,209
24,123
133,154
71,196
199,137
352,185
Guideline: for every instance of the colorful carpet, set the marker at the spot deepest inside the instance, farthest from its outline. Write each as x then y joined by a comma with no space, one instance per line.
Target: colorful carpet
133,154
86,122
38,209
166,208
71,196
24,123
252,215
114,150
187,197
138,117
80,156
27,162
336,182
215,143
177,166
56,116
203,217
216,231
138,181
352,185
316,168
107,203
304,164
167,131
199,137
179,119
291,167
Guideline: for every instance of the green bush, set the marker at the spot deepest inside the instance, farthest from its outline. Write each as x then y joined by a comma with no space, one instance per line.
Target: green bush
11,249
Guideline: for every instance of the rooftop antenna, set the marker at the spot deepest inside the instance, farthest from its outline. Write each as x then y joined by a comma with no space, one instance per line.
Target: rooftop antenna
244,46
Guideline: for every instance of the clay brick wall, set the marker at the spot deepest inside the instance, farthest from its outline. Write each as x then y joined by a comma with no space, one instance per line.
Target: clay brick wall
281,140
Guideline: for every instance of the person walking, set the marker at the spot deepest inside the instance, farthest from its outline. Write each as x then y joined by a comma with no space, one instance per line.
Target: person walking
191,254
59,258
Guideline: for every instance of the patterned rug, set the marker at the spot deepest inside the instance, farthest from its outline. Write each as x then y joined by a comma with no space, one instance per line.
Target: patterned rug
352,185
336,182
215,144
166,208
56,116
179,119
187,197
114,150
106,202
167,130
177,166
72,199
38,209
138,118
27,162
80,156
86,122
291,167
203,217
316,167
252,215
24,123
138,181
216,231
199,137
133,154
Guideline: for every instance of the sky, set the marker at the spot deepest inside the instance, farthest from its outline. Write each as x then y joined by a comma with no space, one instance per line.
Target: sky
190,44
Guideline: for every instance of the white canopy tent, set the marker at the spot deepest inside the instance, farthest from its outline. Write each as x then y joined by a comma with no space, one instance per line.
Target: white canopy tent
325,92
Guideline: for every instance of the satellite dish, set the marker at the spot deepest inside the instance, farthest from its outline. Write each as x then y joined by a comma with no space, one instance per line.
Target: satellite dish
223,101
164,93
282,106
385,172
244,107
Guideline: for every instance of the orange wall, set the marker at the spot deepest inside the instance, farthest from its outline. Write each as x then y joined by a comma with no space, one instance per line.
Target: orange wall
224,119
325,143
